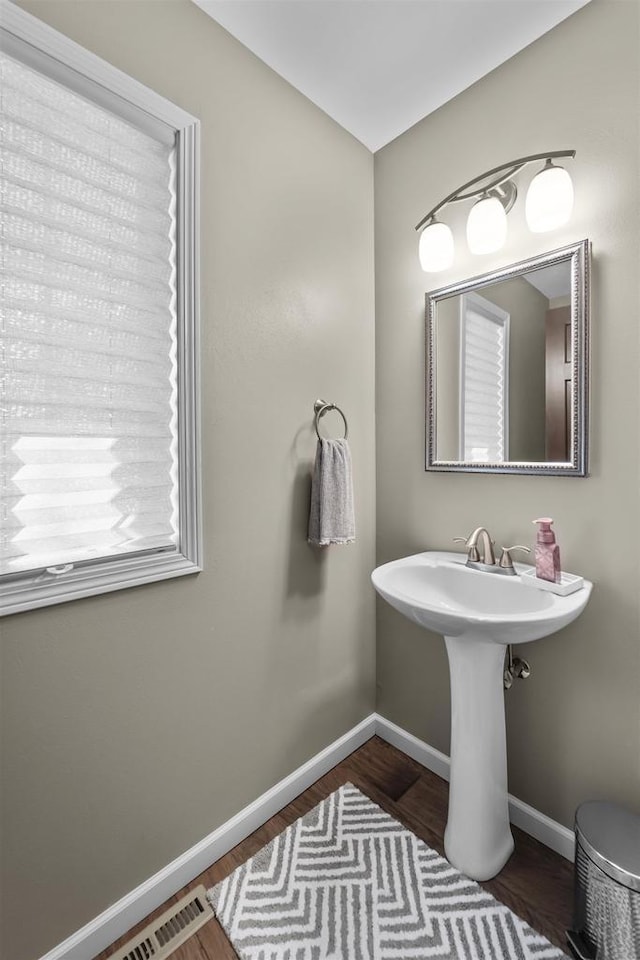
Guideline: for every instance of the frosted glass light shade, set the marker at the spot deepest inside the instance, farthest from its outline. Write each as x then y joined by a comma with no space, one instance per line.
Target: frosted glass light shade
549,199
436,248
486,226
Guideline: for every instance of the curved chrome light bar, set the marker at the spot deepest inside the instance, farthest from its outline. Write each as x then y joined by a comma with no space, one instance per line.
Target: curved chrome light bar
501,185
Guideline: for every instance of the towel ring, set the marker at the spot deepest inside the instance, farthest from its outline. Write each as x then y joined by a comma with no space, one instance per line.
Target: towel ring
321,407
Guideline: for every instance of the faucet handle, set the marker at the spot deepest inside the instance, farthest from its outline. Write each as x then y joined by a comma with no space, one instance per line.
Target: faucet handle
506,560
473,554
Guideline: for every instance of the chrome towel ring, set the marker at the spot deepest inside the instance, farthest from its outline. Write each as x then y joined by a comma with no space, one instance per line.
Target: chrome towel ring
321,407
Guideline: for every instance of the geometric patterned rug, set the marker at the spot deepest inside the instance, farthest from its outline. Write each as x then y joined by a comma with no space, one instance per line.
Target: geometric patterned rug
348,882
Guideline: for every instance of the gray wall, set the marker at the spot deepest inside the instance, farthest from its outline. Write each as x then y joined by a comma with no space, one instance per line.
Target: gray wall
447,361
574,727
137,722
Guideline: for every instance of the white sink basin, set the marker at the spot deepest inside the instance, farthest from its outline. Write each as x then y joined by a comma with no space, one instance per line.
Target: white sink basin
478,614
439,592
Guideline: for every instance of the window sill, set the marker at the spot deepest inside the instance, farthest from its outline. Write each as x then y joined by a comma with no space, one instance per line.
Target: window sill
43,590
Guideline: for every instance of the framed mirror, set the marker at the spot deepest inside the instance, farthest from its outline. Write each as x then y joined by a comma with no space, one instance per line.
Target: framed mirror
508,369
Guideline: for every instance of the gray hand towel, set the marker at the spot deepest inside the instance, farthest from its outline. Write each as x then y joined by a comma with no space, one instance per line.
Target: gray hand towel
331,519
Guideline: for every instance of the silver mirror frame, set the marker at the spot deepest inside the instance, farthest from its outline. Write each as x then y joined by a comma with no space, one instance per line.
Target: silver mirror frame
579,256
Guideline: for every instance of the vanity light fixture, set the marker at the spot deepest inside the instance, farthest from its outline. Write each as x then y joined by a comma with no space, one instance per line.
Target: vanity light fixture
549,199
548,206
486,225
436,246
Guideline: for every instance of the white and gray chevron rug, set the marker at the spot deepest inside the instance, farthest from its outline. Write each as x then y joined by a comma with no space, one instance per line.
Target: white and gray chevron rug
348,882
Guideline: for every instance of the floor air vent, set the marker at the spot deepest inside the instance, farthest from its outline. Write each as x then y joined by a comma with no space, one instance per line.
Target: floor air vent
160,938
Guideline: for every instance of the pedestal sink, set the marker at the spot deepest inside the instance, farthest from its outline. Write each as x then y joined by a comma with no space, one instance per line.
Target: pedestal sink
478,614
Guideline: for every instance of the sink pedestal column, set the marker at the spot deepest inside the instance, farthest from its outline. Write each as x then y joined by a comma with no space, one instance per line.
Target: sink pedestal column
478,838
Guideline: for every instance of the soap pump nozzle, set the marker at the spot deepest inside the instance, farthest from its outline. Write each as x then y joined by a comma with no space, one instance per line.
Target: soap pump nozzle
545,533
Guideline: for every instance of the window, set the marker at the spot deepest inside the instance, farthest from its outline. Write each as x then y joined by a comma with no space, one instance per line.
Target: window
98,320
484,388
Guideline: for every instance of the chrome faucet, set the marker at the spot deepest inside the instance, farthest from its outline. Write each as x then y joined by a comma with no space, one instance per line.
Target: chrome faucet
486,558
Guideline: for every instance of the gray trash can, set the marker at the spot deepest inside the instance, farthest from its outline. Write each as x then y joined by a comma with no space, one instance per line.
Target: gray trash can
606,919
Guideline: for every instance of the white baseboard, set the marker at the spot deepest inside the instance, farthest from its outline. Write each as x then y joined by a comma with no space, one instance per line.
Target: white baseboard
527,818
101,932
418,750
542,827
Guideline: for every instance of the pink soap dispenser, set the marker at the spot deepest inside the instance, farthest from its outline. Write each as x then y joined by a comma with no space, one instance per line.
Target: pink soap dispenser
547,552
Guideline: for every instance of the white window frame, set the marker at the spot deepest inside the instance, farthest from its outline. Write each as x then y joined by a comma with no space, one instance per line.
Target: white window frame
50,52
501,318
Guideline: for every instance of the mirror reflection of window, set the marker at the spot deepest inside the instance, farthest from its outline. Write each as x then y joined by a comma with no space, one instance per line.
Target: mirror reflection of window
507,371
484,380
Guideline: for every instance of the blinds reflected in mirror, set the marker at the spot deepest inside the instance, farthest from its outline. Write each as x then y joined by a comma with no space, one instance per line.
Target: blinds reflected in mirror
484,330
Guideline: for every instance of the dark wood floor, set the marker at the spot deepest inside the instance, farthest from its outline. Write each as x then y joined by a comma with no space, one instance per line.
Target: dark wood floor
536,883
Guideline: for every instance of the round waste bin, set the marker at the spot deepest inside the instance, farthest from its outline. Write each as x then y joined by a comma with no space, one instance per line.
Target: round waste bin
606,919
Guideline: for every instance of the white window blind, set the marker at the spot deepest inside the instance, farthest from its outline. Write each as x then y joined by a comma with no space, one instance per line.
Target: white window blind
484,331
88,371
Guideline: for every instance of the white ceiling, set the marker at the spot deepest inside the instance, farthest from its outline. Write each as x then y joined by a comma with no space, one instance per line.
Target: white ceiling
379,66
552,282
